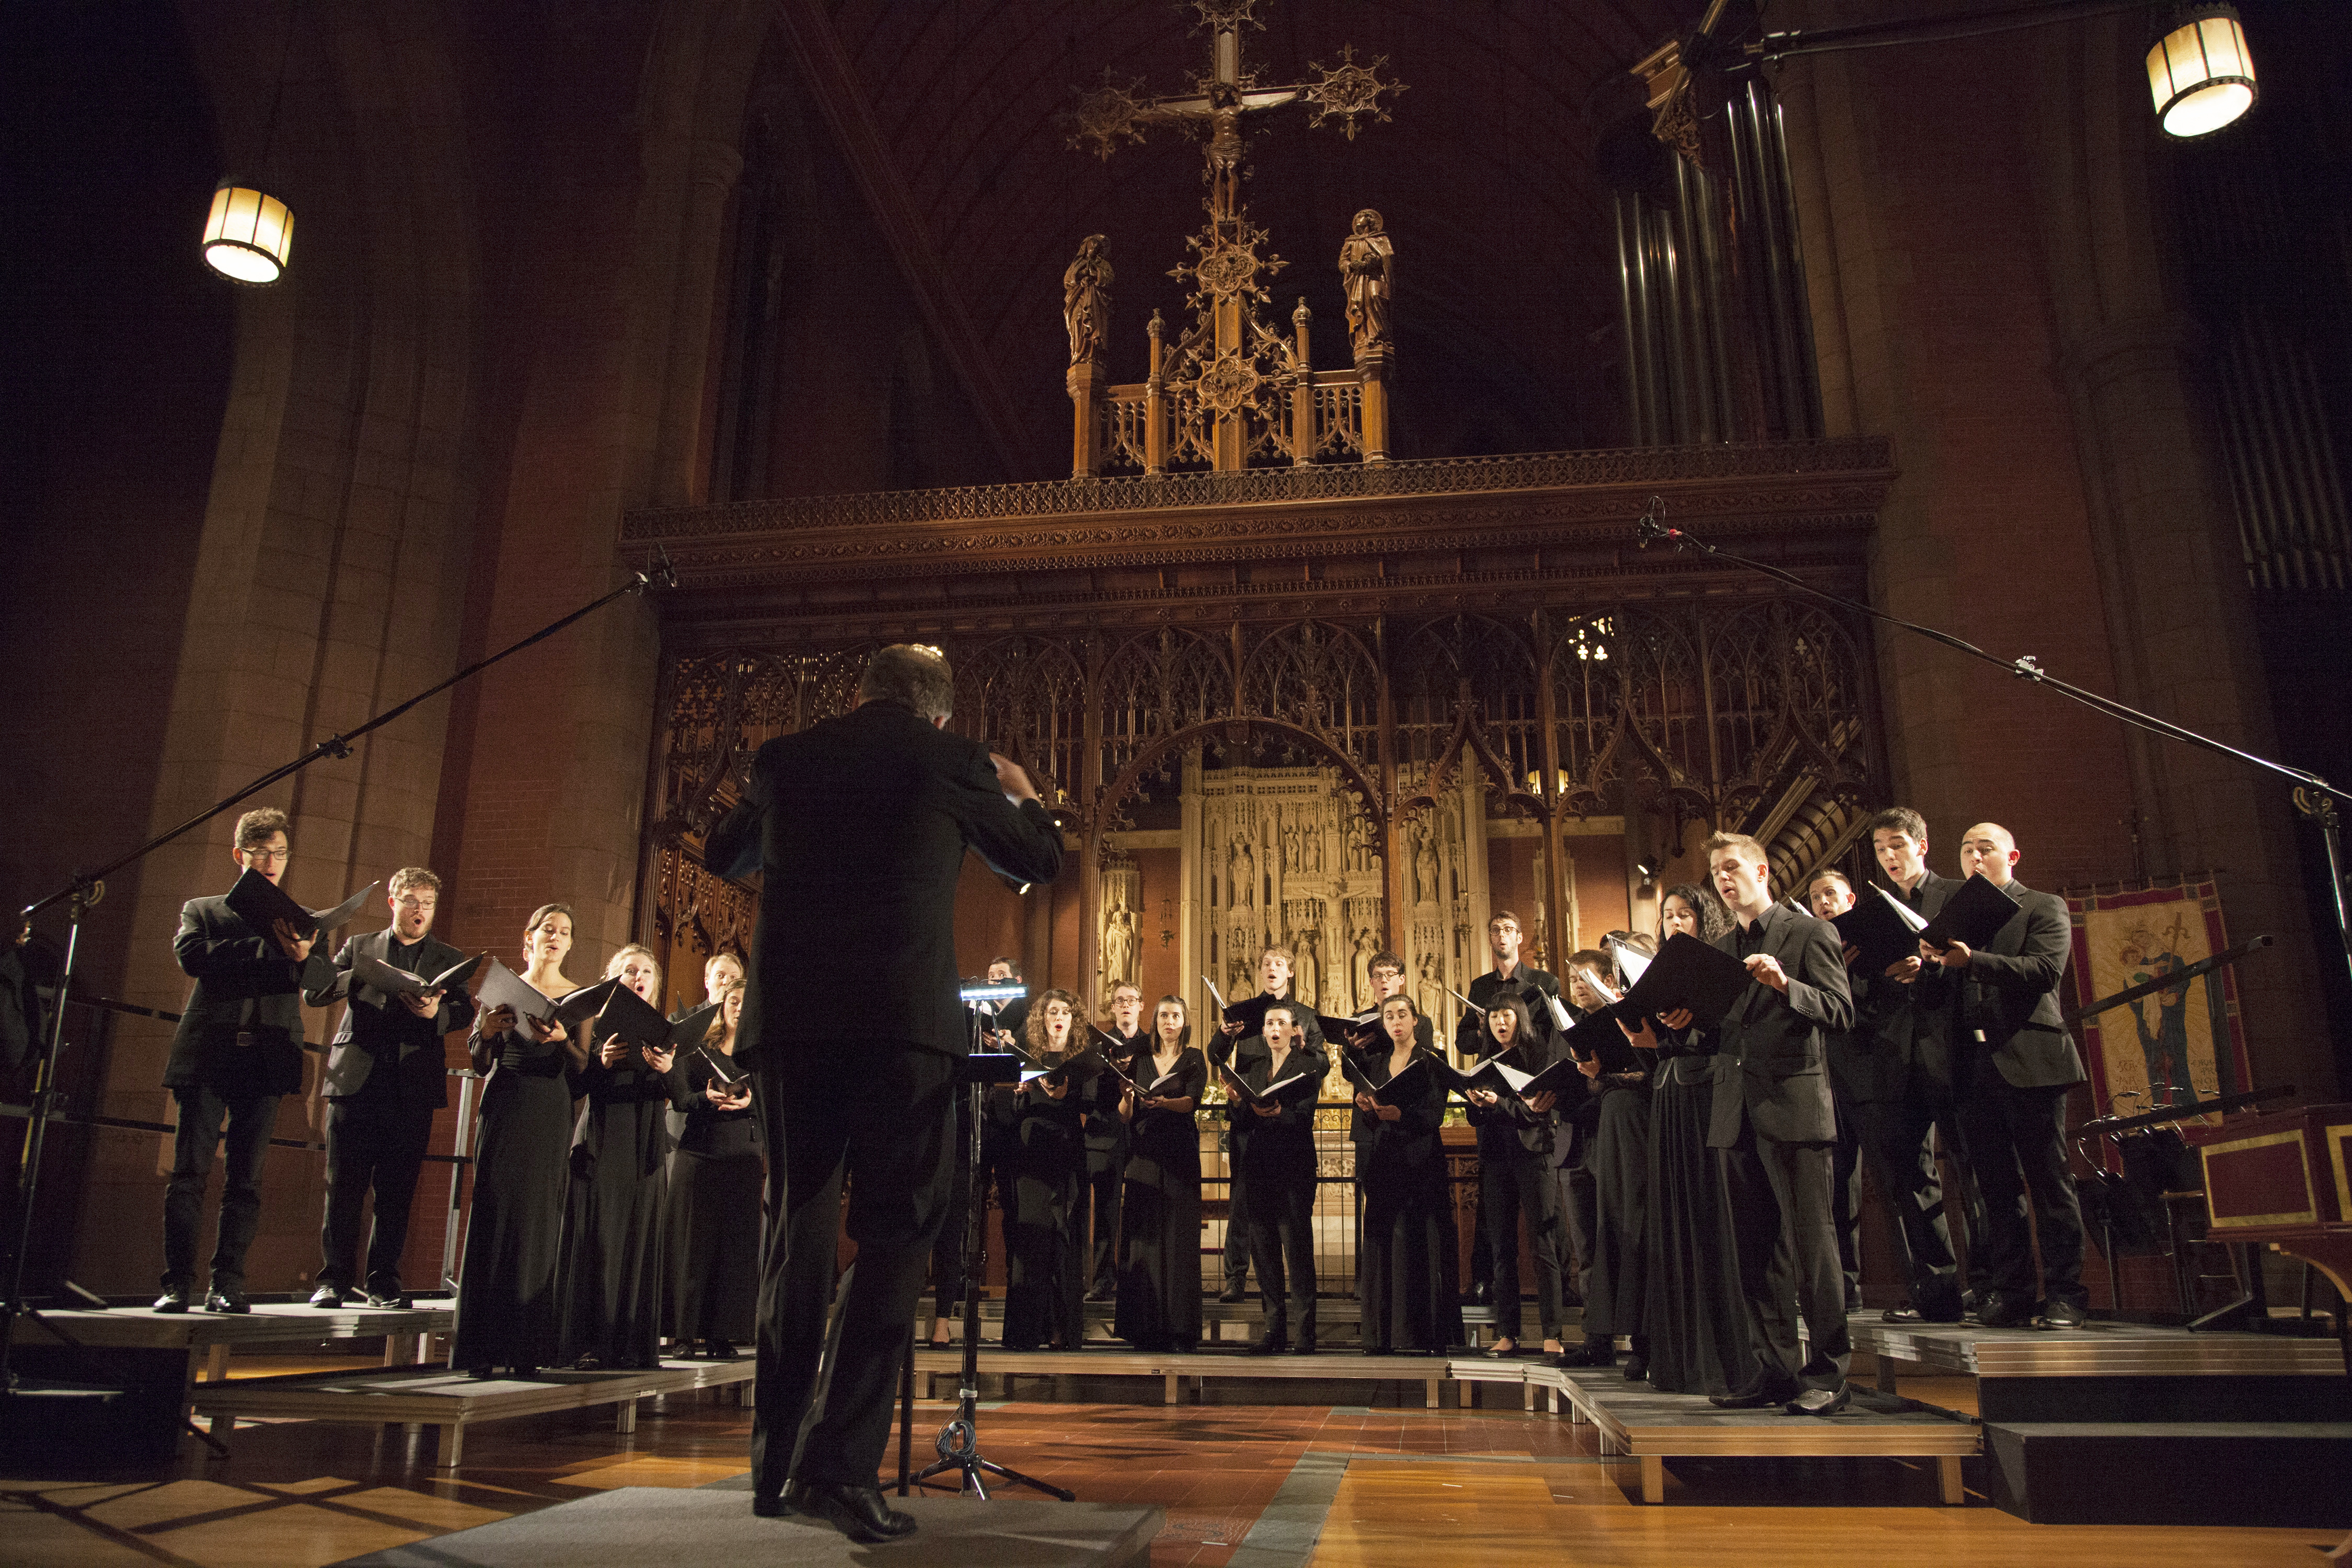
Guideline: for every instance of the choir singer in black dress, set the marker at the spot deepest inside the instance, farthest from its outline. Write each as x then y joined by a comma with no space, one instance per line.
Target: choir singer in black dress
507,1309
610,1279
1159,1279
1402,1285
1693,1312
1277,1154
713,1276
1045,1228
1515,1176
870,812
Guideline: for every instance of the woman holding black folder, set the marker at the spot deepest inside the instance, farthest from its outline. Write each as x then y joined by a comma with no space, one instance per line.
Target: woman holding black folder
1160,1284
1695,1316
1514,1176
611,1275
1045,1271
713,1278
1408,1300
507,1312
1619,1161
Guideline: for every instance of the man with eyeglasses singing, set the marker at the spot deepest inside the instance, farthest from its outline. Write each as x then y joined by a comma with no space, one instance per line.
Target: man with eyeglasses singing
387,1075
237,1051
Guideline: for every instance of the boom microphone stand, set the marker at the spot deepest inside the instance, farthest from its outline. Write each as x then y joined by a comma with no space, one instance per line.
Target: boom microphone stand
959,1440
88,888
2312,797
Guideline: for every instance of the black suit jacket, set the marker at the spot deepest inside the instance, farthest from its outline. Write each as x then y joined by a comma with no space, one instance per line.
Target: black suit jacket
1774,1070
858,825
379,1033
1901,1030
2009,990
241,1031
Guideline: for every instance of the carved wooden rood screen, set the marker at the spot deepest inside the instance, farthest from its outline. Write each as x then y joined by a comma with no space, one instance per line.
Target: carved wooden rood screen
1369,655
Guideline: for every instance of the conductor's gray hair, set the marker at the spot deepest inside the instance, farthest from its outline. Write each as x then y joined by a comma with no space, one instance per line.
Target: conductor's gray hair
912,676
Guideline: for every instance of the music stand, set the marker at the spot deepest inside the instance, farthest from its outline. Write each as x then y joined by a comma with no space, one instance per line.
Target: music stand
959,1440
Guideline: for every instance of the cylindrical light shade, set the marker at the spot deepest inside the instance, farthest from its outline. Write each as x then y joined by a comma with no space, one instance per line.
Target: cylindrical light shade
247,234
2200,72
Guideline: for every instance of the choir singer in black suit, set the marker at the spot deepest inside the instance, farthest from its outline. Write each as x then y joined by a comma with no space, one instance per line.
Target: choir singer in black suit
387,1075
858,825
1778,1130
237,1051
2020,1063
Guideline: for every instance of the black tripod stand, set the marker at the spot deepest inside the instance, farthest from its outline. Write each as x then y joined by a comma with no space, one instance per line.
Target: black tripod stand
86,890
959,1440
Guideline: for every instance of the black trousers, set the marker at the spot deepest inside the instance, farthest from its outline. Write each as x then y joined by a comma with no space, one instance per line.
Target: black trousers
1787,1243
886,1126
1845,1200
1508,1188
1282,1244
379,1145
1238,1223
1578,1199
202,1111
1894,1134
2017,1146
1106,1180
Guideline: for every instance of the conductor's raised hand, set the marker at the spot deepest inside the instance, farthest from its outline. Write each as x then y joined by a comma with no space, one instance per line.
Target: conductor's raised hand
1011,778
296,947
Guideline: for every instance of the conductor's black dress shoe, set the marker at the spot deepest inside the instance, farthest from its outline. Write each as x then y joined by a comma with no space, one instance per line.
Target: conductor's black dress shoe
857,1511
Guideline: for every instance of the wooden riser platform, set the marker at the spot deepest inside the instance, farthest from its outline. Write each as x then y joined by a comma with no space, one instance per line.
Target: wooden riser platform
1336,1317
940,1367
1640,1423
208,1338
2118,1371
451,1400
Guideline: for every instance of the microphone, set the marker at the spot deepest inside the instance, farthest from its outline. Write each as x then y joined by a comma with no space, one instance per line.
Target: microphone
1649,529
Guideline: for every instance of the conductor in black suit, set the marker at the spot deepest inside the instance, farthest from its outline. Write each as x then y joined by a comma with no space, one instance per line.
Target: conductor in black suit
2020,1062
1773,1120
858,825
387,1075
237,1051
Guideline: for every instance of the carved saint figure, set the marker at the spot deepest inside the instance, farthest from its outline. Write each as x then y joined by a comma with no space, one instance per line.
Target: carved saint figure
1428,990
1424,872
1309,977
1363,967
1244,876
1118,947
1367,270
1086,300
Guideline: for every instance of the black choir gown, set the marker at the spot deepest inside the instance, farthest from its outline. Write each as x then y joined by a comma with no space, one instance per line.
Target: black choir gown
507,1309
713,1227
1159,1283
1616,1297
1696,1317
610,1281
1046,1273
1403,1286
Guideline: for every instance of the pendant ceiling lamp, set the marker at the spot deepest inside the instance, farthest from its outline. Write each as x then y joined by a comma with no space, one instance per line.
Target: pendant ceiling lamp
2200,72
249,231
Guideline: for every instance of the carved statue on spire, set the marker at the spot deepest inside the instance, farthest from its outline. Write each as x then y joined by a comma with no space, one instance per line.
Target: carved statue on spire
1368,269
1086,301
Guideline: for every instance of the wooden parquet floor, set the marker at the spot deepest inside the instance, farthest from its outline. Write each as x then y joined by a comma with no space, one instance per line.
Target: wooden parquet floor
1421,1488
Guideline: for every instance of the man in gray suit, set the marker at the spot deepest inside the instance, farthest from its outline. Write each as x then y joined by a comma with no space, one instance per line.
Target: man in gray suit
385,1076
2020,1063
1773,1120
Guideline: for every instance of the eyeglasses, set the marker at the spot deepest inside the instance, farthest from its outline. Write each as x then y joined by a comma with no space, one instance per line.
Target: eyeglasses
271,857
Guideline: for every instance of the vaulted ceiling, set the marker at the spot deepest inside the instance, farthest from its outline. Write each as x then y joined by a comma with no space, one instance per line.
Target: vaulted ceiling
1487,177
